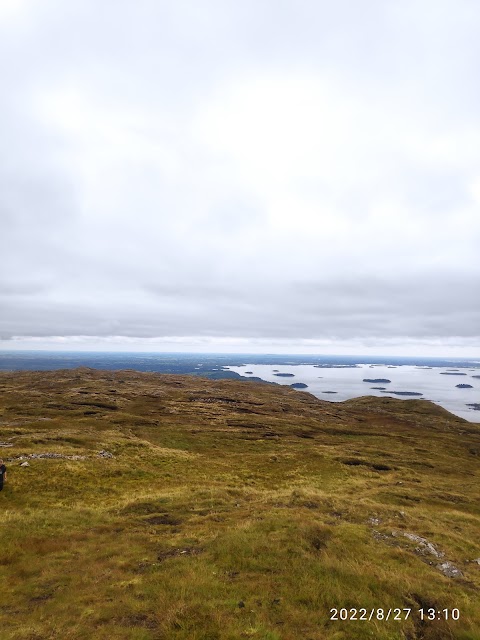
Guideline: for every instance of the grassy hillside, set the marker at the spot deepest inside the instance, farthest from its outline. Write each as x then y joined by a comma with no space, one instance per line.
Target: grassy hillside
221,510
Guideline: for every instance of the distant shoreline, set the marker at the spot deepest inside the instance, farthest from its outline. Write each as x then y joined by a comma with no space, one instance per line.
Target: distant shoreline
341,375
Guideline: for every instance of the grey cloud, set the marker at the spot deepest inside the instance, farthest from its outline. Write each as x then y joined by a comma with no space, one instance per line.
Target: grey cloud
281,313
117,219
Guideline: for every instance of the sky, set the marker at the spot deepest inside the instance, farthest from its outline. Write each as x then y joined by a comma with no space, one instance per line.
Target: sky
290,176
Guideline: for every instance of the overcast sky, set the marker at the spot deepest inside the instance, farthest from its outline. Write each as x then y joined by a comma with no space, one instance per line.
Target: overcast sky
264,175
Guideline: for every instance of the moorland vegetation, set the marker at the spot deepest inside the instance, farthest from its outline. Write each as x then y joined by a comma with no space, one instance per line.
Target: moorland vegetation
142,506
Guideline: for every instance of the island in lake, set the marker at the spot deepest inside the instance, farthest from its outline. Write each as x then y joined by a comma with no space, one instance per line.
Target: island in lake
299,385
376,380
451,373
284,375
405,393
464,386
337,366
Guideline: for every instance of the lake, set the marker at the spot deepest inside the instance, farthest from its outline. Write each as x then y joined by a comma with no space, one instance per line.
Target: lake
437,384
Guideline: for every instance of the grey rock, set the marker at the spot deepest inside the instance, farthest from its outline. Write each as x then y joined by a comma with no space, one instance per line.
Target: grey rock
450,570
381,537
105,454
50,456
24,464
424,545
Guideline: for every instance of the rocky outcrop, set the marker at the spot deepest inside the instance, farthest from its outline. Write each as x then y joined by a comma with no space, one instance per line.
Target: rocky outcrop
424,548
450,570
47,456
105,454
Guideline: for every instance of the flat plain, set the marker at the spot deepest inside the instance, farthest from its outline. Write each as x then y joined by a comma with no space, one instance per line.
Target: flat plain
166,506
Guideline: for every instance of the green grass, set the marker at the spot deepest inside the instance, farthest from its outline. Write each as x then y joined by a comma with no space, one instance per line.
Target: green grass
230,510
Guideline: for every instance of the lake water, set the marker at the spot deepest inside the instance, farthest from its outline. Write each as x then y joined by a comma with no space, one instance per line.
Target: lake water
347,382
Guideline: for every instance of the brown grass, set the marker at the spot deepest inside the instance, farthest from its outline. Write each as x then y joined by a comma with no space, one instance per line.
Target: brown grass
230,510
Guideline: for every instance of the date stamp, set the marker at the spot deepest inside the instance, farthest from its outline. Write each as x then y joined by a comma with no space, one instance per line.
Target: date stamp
397,614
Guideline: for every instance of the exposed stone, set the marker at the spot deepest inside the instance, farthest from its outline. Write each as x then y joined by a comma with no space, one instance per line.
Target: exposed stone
450,570
380,537
49,455
424,545
24,464
105,454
